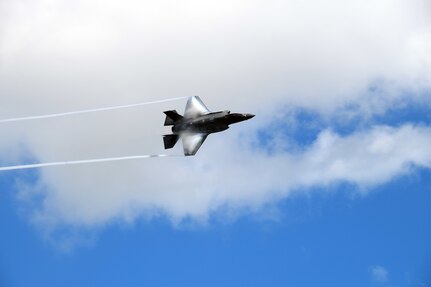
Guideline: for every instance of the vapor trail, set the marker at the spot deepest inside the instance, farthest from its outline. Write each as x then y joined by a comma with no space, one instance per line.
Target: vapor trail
85,161
88,111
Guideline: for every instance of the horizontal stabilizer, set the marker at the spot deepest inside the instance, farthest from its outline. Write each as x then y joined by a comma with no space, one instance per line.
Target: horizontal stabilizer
170,141
172,117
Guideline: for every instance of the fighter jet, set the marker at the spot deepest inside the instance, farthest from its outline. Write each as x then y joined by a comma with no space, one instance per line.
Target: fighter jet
196,124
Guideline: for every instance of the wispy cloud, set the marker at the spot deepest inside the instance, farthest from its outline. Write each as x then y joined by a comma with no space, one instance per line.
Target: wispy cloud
379,274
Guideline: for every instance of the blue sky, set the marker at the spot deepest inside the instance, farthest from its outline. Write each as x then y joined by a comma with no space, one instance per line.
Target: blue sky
328,185
325,239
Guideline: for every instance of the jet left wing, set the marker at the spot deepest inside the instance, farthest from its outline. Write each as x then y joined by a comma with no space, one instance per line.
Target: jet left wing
195,108
192,142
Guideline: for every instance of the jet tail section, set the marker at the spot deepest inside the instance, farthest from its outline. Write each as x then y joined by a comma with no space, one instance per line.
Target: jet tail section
170,141
172,117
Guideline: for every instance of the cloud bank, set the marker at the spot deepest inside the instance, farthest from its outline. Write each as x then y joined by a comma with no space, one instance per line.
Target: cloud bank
240,177
248,56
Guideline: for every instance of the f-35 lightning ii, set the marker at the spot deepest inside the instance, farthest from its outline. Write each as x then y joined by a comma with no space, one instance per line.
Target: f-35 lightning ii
196,124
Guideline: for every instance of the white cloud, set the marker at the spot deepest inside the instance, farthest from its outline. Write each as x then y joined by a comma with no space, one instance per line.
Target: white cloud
379,274
227,172
313,53
247,56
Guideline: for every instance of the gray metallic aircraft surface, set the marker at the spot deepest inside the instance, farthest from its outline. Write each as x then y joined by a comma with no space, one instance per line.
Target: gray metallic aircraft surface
196,124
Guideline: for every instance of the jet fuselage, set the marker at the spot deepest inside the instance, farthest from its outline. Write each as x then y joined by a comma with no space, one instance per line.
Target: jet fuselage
209,123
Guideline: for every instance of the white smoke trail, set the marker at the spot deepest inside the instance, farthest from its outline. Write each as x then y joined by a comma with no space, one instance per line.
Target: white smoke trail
85,161
88,111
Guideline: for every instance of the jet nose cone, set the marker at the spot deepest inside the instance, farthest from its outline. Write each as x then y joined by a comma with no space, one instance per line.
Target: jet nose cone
248,116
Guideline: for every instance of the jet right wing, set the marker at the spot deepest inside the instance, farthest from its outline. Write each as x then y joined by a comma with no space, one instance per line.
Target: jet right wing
195,107
192,142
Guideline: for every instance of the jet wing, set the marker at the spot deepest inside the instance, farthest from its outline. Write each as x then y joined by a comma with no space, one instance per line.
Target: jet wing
192,142
195,107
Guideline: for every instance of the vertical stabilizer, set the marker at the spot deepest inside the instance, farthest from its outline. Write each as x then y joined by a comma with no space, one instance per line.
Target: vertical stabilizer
172,117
